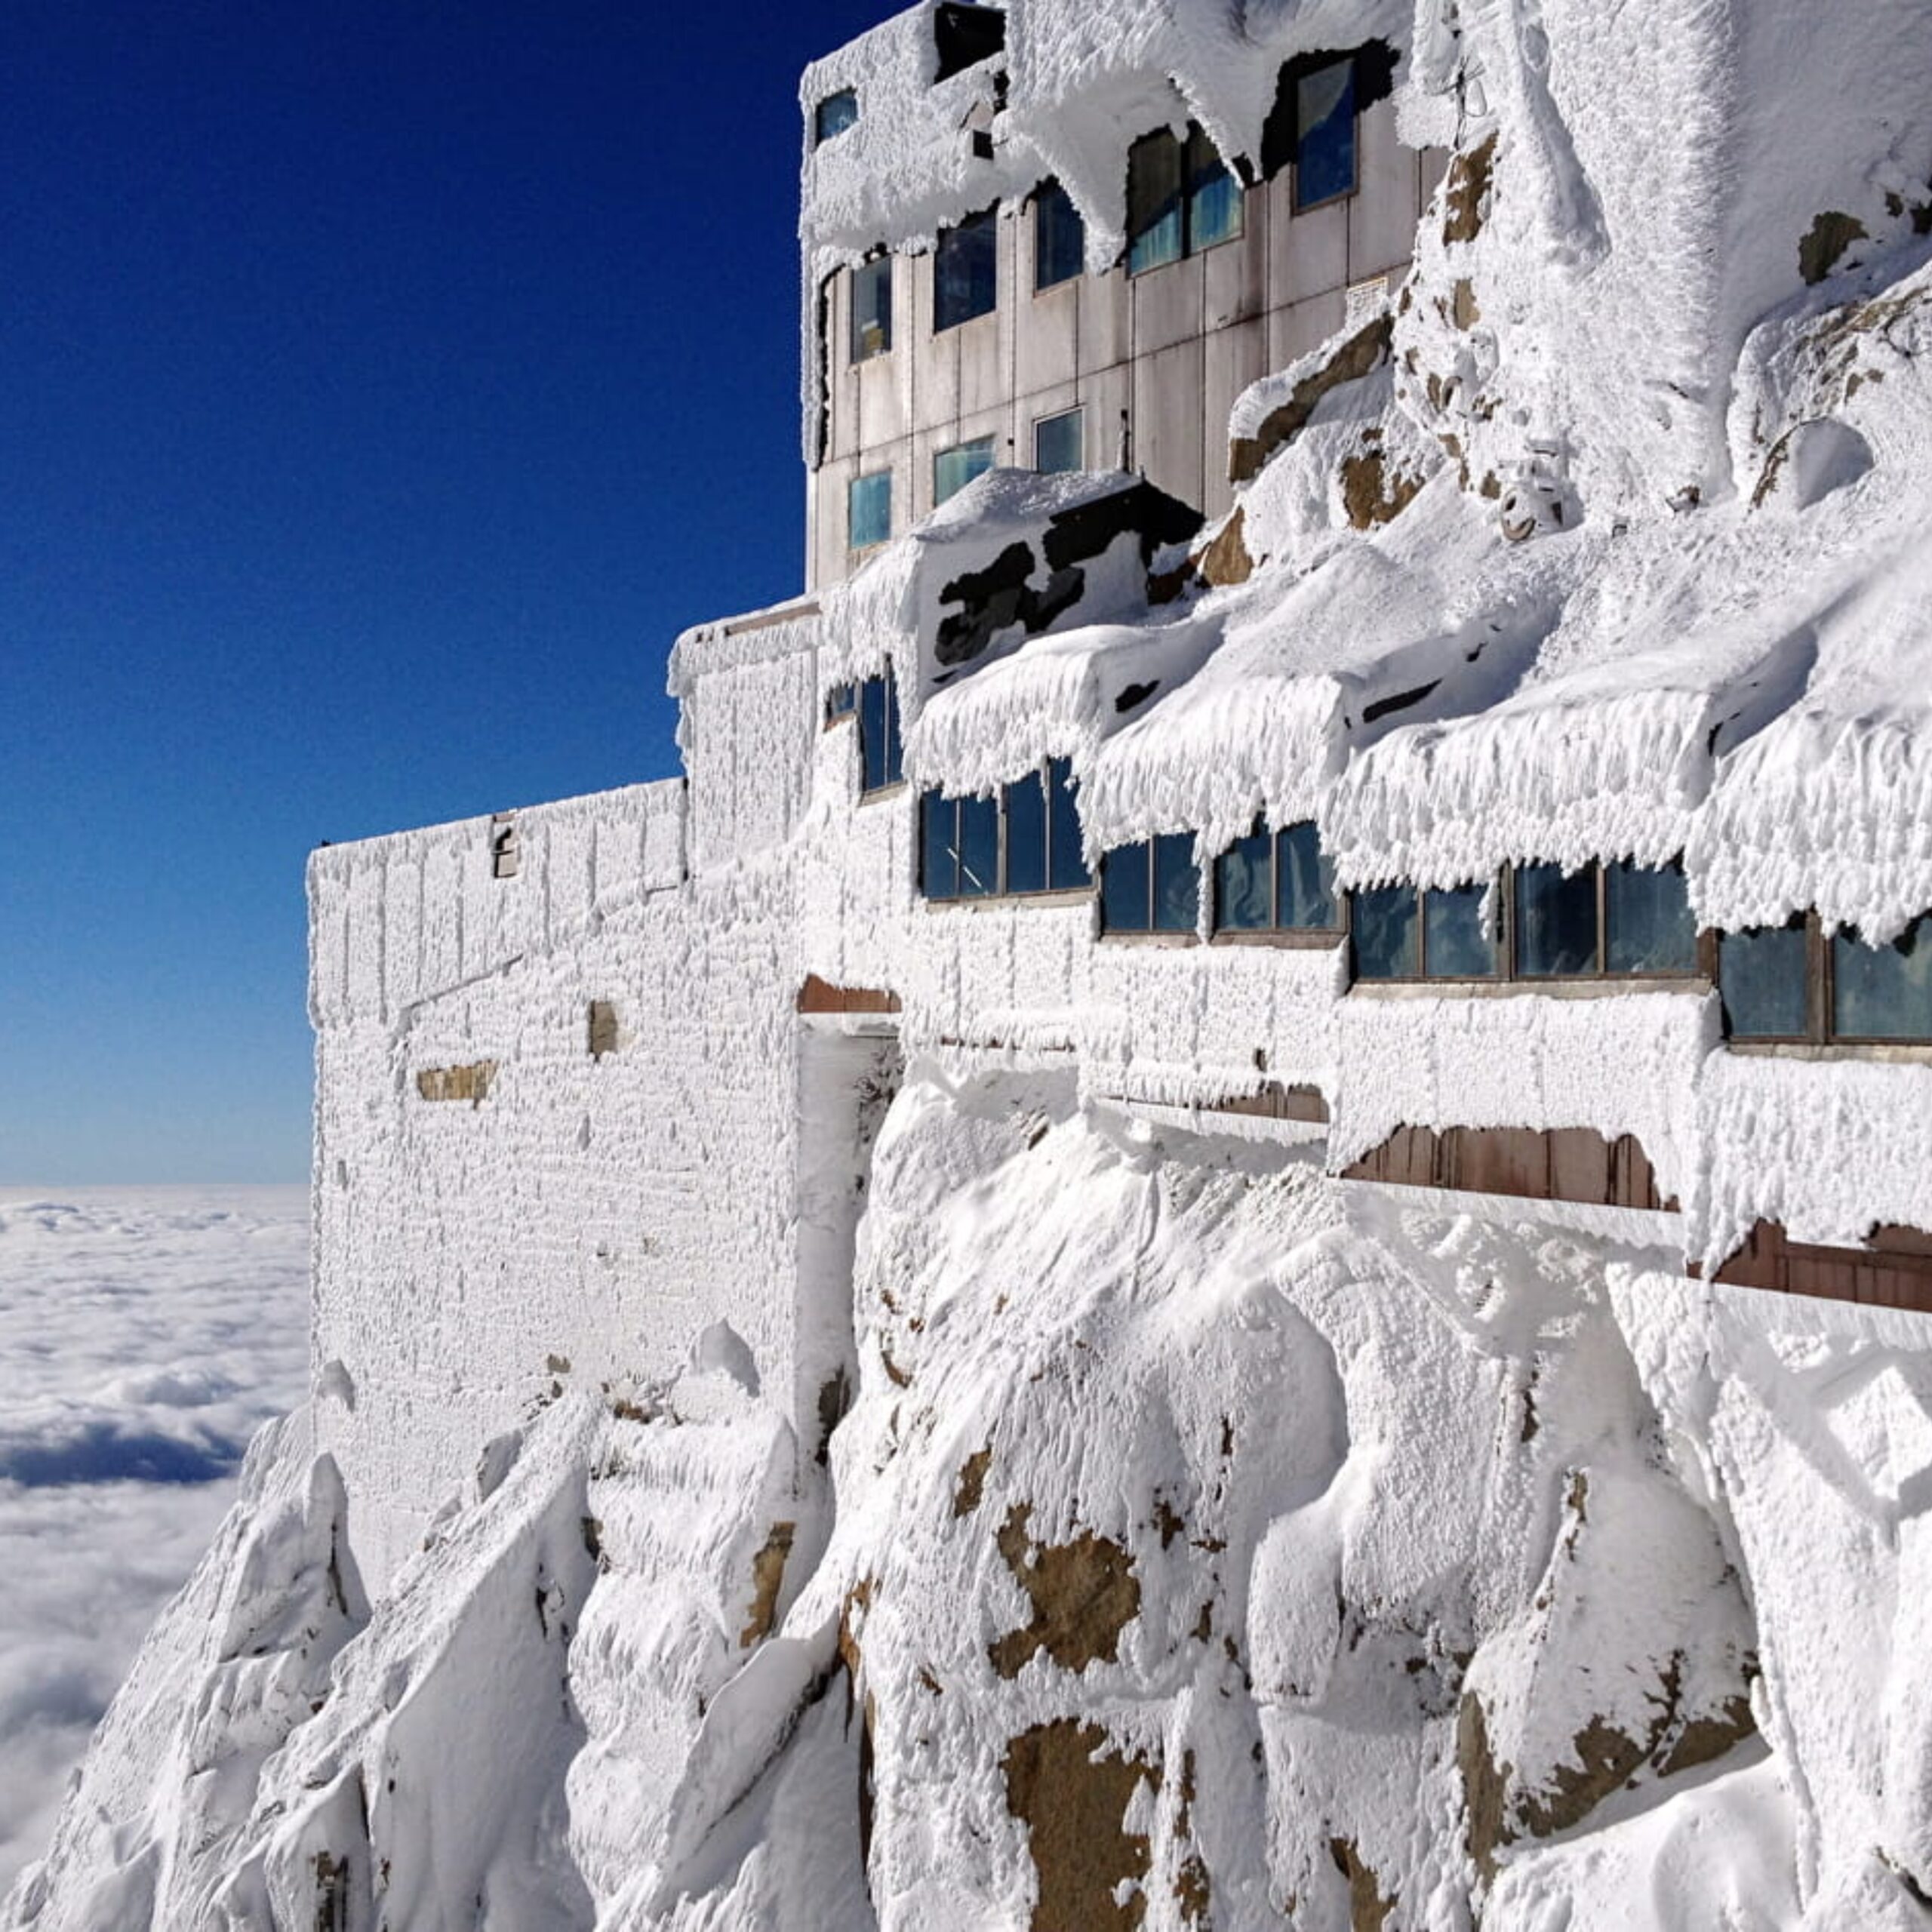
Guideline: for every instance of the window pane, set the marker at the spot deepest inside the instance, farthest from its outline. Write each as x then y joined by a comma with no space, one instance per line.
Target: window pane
1068,866
1648,911
1214,195
872,309
979,848
1762,973
1059,443
1176,884
840,701
1060,237
966,270
1026,835
1454,945
869,510
1325,127
879,721
938,860
1124,905
1556,920
1153,202
1883,992
1386,934
1307,881
1244,885
835,114
954,468
895,749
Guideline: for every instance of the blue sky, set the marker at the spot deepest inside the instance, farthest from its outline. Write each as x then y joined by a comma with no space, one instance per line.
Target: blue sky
382,387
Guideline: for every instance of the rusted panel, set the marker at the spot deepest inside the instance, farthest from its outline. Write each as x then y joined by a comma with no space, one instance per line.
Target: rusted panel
818,995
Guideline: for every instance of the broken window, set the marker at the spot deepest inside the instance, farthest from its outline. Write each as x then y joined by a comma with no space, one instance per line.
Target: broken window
841,701
966,270
954,468
834,115
1181,199
872,309
1152,886
868,509
880,755
1799,983
1060,237
1276,882
1059,442
1023,842
964,35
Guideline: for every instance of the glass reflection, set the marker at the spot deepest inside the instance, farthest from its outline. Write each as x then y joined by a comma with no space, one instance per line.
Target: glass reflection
1761,972
1454,945
1177,883
1244,885
1386,933
1883,992
1646,910
1556,920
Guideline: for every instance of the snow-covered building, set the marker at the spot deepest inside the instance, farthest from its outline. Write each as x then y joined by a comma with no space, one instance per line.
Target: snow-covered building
1254,1142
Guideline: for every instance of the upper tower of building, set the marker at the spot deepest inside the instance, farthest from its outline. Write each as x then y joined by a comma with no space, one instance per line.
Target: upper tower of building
1049,236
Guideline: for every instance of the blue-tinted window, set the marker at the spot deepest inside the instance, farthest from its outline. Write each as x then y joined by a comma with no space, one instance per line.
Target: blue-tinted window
868,509
872,309
1307,901
1059,442
1761,972
1325,134
979,848
954,468
1026,834
840,701
1556,920
834,115
1213,196
1060,237
1883,992
939,845
1154,230
880,762
1244,884
1387,933
1648,926
1127,903
1067,863
1176,884
1454,945
966,270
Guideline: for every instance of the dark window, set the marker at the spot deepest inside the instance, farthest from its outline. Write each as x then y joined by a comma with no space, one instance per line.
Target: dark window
964,35
1556,921
1648,926
868,509
841,701
1761,971
1151,886
1454,945
1060,237
1325,132
881,760
1180,199
1883,992
872,309
1275,882
966,271
954,468
1059,442
1386,933
1024,842
834,115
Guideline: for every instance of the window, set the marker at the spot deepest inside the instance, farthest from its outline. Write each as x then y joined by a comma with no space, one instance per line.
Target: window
834,115
1152,887
868,509
1060,237
841,701
1324,133
881,762
1024,842
1180,199
966,271
963,35
1796,983
1276,882
954,468
1613,921
503,856
1059,442
872,309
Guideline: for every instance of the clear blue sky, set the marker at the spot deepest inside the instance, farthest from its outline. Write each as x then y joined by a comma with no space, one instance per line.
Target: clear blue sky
382,387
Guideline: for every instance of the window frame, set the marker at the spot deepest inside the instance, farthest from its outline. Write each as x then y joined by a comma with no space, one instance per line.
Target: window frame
1296,203
1188,186
852,483
1150,933
856,357
1299,938
1050,190
1820,996
1060,416
892,759
981,220
955,449
1002,890
820,133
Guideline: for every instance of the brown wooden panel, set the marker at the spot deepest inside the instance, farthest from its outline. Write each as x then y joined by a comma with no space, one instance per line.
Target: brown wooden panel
818,995
1896,1274
1888,1237
1276,1102
1504,1160
1563,1164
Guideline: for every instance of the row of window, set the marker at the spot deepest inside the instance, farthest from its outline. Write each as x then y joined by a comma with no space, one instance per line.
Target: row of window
1791,983
1059,444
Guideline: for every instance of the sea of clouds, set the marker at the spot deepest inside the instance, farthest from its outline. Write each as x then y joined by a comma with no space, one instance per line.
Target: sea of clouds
145,1334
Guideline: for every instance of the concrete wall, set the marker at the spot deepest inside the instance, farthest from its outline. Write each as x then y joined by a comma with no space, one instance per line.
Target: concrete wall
1171,347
